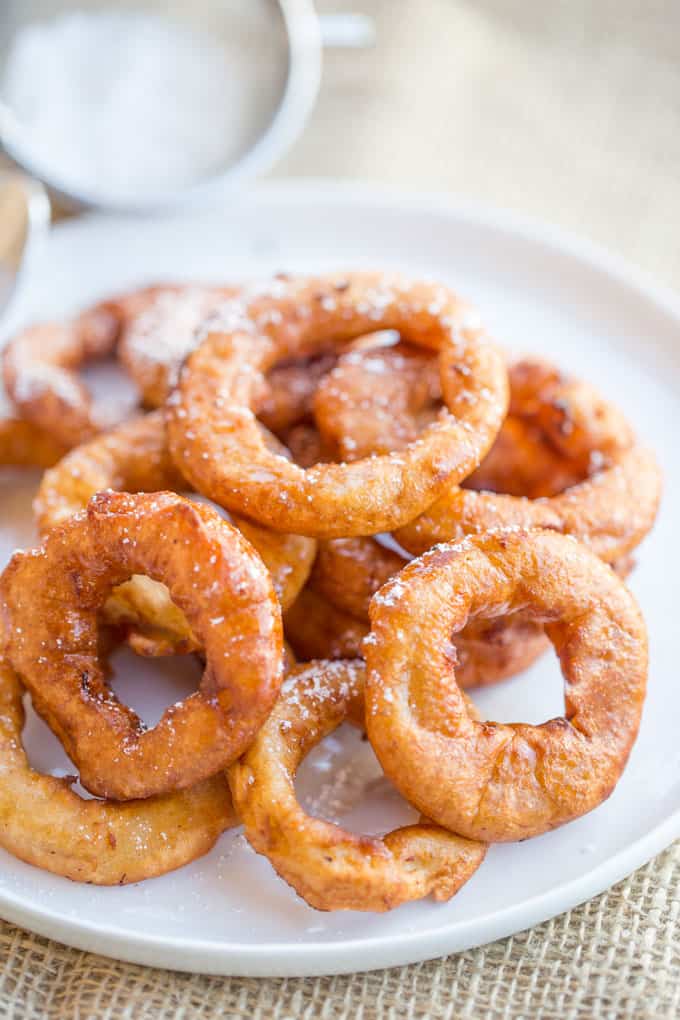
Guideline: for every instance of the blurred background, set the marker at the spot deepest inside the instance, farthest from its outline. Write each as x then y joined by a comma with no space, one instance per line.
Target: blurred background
567,110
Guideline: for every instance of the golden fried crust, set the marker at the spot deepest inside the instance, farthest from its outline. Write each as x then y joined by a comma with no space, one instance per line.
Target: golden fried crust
559,431
45,823
561,440
611,512
493,781
38,372
570,413
102,325
333,869
23,444
378,400
289,389
316,629
565,460
50,601
564,421
134,458
40,366
213,432
556,431
349,571
156,339
487,651
522,462
306,446
155,342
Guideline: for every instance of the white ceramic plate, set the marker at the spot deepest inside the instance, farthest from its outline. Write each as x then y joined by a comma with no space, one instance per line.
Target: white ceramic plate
538,291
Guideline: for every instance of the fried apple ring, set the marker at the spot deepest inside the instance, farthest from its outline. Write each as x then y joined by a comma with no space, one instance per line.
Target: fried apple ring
522,462
492,781
329,867
38,370
45,823
559,432
611,511
155,343
569,412
40,365
102,325
50,601
134,458
487,651
348,572
213,433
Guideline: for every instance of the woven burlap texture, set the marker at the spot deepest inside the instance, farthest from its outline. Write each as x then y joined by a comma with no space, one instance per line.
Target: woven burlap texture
617,956
567,111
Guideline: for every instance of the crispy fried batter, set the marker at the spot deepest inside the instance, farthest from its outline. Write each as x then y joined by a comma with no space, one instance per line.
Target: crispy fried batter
25,445
40,365
155,341
560,441
50,601
487,651
349,571
488,780
557,432
331,868
213,433
377,401
45,823
611,511
316,629
134,458
289,390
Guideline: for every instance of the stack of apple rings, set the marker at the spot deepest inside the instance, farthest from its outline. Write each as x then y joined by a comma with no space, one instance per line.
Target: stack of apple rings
348,502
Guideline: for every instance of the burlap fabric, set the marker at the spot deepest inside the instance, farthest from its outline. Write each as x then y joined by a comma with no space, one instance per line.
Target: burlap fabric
617,956
569,111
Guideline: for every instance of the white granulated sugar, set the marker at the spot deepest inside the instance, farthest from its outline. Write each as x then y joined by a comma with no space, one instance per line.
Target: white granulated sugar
41,377
376,365
166,332
128,103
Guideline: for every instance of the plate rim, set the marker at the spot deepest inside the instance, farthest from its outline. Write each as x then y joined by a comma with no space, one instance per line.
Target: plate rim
310,959
307,958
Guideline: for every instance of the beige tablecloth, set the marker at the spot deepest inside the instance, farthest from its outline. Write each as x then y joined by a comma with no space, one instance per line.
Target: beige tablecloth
570,111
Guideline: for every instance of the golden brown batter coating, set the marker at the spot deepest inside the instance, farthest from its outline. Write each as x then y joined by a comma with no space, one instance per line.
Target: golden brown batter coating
213,433
50,599
135,458
45,823
331,868
493,781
